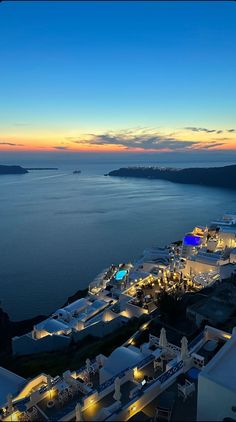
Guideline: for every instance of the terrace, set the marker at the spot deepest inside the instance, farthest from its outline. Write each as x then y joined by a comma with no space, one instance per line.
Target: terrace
155,373
176,388
60,408
94,411
178,408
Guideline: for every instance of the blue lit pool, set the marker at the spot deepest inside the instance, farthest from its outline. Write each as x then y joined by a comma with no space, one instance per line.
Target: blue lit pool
192,240
120,275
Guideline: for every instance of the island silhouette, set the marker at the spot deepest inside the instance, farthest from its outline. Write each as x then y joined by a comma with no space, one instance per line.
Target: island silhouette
206,176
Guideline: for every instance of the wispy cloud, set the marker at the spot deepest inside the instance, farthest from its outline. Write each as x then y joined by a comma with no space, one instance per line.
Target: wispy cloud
200,129
60,147
204,129
11,144
212,145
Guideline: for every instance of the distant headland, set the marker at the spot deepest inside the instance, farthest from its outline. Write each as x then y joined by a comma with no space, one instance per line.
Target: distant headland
41,168
12,170
212,176
5,169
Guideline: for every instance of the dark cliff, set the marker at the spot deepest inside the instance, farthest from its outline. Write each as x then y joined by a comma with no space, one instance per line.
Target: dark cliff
12,170
211,176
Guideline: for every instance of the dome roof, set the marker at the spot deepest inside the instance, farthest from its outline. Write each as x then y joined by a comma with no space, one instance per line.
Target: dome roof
52,325
122,358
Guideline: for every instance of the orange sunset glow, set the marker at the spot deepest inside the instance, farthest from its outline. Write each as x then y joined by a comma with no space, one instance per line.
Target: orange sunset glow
133,140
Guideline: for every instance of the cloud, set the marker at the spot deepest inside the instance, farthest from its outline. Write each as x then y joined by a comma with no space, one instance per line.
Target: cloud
203,129
200,129
212,145
60,147
11,144
145,140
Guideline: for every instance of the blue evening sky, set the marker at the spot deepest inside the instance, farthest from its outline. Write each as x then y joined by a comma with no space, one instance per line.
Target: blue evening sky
114,65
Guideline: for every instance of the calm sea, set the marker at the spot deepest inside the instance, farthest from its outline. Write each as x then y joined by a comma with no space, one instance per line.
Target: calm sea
58,230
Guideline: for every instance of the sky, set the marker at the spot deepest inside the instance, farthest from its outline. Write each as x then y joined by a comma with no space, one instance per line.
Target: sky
117,76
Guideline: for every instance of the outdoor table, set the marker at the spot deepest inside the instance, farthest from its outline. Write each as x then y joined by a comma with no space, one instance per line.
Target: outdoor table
50,404
211,345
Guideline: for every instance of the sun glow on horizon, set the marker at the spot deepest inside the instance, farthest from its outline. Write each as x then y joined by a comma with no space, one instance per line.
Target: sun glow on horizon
125,140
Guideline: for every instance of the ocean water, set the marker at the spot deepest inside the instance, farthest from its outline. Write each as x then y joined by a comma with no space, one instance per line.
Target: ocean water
58,230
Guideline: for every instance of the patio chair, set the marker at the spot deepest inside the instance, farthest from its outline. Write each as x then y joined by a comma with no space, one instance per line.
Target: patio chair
23,417
186,390
62,397
60,400
165,407
33,414
158,363
70,392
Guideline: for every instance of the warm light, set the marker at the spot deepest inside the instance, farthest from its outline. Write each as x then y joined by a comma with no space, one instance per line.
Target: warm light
227,336
15,416
138,374
144,326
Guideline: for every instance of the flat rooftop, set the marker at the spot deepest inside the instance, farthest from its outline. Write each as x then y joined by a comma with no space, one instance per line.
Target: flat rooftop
221,369
213,309
206,258
9,382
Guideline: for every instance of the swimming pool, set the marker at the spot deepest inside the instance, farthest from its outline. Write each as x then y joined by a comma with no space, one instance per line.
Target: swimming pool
120,275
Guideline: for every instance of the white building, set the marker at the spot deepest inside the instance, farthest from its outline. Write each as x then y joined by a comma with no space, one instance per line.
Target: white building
120,359
227,220
227,237
233,256
10,383
203,262
55,333
217,385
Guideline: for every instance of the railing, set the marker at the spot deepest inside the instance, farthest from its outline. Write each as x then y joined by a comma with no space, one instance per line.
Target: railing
121,374
162,378
109,382
154,340
144,362
83,368
196,340
170,346
173,348
198,360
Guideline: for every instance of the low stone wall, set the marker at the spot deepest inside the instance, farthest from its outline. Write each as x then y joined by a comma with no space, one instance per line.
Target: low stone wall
26,345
